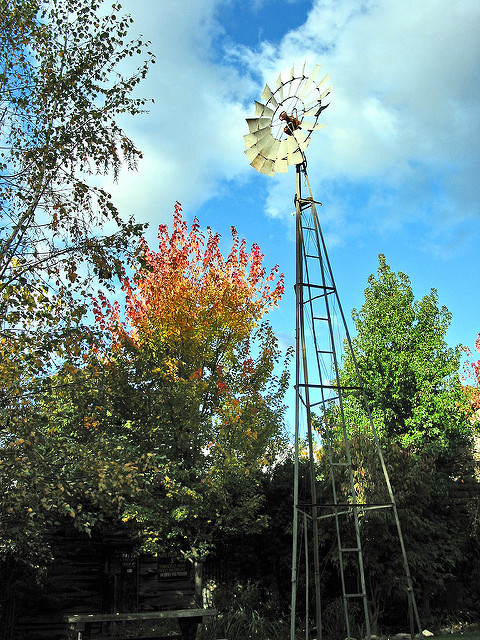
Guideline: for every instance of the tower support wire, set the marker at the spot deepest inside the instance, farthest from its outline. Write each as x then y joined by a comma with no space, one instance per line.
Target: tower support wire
319,395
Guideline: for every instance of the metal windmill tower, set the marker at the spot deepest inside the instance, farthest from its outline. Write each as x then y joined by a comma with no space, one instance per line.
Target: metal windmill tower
279,134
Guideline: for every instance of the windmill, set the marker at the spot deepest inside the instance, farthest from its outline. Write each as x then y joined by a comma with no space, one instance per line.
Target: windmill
279,134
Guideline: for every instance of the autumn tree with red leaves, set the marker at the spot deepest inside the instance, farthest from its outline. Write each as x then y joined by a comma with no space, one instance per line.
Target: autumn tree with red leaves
188,389
471,379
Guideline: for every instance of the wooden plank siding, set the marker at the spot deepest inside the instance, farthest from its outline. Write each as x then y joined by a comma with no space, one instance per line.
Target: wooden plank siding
101,575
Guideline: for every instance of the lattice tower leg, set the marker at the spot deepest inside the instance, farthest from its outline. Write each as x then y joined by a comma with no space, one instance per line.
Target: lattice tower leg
318,392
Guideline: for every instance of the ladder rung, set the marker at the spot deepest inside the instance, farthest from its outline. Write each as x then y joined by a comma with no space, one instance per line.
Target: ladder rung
313,286
331,386
319,318
350,549
339,464
324,401
315,404
326,289
355,595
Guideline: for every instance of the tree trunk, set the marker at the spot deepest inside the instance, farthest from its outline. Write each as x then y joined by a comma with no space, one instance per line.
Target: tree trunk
198,568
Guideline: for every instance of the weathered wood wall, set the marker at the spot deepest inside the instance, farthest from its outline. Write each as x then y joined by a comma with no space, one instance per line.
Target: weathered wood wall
164,583
100,575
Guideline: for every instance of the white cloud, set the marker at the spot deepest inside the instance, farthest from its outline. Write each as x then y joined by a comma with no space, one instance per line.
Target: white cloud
403,125
192,136
404,106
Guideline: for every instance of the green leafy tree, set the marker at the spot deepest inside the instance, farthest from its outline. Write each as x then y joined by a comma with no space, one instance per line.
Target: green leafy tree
409,373
411,381
61,96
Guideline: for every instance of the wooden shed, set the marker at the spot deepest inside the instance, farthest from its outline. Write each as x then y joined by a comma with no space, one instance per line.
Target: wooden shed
102,574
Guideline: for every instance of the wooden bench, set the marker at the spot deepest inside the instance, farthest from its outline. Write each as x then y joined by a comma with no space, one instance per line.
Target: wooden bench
80,624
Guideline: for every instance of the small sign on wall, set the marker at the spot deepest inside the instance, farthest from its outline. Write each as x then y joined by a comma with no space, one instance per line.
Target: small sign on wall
172,568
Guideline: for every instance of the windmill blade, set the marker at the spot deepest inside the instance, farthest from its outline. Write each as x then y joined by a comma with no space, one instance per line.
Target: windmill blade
307,86
307,125
267,147
324,80
295,158
280,165
291,84
313,96
257,162
315,72
254,138
291,145
263,165
268,96
257,123
317,100
316,94
283,149
311,111
318,85
311,126
302,138
315,110
262,109
253,152
325,93
309,104
267,168
294,155
270,148
280,87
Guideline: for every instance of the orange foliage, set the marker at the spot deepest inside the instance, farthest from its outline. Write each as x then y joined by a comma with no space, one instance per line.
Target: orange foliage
187,295
472,378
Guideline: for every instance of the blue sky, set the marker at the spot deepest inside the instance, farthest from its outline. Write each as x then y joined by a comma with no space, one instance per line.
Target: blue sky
397,167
